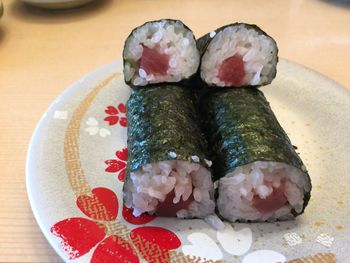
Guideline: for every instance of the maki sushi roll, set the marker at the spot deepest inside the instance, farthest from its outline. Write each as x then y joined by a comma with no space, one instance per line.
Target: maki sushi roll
162,51
237,55
167,173
261,177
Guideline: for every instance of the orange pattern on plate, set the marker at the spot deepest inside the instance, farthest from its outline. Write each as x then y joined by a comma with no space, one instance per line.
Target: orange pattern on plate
318,258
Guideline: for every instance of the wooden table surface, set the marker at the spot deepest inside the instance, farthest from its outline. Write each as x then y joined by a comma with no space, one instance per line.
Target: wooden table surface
42,52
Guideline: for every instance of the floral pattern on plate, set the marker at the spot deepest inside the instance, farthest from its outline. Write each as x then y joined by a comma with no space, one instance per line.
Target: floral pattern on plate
77,200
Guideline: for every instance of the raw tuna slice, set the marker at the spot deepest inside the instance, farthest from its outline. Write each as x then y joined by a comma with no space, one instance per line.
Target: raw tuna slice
154,62
168,208
232,71
272,202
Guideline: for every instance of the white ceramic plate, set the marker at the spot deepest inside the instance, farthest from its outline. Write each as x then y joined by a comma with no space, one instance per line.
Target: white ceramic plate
76,161
57,4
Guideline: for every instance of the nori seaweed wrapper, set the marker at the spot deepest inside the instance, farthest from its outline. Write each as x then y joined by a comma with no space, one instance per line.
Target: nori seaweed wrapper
241,128
184,82
161,120
204,41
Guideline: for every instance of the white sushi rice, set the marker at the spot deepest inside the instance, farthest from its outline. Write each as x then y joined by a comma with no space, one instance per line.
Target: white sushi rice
150,185
259,54
168,37
237,189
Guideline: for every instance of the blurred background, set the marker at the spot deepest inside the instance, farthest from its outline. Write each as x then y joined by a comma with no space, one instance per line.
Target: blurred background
43,51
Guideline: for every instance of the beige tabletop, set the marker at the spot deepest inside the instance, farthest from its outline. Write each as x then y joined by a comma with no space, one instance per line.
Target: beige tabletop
42,52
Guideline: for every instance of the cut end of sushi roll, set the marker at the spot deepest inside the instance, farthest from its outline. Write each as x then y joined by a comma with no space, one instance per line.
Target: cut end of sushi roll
160,51
171,188
263,191
239,55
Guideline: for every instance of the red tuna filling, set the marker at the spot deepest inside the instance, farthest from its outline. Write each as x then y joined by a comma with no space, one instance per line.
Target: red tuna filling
169,209
232,71
153,62
273,202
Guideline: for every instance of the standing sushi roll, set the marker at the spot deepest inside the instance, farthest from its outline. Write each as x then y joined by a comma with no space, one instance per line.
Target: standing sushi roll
162,51
261,177
237,55
167,173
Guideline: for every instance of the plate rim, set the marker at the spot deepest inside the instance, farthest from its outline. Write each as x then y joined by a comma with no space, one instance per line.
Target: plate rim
36,135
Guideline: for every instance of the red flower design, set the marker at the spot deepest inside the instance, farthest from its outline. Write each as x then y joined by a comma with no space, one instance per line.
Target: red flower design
119,164
114,116
142,219
101,205
165,239
79,235
106,251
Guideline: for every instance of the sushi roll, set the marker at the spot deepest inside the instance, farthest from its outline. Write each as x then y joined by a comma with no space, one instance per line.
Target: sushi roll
167,173
162,51
260,176
237,55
